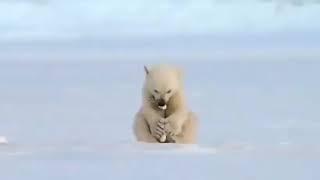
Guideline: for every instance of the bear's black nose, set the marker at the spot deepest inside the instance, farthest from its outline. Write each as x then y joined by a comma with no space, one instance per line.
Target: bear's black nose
161,103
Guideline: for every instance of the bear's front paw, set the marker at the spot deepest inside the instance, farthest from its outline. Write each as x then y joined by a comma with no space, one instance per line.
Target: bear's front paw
160,132
171,128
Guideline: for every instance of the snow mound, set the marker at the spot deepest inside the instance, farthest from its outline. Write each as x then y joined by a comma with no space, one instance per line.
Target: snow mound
115,149
169,148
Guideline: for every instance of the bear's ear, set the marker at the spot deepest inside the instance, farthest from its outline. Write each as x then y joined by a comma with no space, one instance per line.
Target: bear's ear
146,70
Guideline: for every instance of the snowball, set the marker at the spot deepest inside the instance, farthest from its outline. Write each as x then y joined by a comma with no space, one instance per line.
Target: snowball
163,138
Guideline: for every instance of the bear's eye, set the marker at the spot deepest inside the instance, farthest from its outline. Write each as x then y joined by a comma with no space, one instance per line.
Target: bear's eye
169,91
156,91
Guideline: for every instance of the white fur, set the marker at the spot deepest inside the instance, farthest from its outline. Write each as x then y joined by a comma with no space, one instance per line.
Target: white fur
164,81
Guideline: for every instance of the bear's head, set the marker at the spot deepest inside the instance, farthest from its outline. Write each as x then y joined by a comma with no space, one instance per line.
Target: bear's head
162,82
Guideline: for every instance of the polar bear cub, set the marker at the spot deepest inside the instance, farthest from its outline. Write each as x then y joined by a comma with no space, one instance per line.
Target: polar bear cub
164,116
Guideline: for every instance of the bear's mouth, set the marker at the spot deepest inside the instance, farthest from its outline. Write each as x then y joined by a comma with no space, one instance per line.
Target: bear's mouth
158,103
164,107
162,104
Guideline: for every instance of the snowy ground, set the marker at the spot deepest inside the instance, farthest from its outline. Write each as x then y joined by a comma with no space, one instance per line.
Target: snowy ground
69,120
71,74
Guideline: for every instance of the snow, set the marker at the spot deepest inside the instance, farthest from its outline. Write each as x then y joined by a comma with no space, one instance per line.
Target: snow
58,19
132,161
72,120
57,30
71,74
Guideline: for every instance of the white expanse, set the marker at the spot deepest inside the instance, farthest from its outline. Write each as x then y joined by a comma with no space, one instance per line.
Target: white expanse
100,30
68,120
73,19
71,74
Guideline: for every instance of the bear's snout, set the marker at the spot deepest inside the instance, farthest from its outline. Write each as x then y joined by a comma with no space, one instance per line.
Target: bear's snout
161,102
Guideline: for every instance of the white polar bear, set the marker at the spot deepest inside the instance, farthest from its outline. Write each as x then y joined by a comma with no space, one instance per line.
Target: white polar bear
164,116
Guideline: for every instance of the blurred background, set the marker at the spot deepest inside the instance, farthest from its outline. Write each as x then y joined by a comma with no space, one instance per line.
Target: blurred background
100,30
